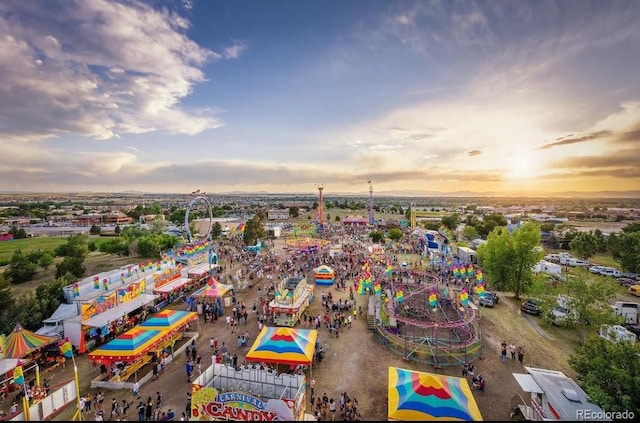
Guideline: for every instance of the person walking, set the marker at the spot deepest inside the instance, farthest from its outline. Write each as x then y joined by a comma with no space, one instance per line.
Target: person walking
520,354
512,350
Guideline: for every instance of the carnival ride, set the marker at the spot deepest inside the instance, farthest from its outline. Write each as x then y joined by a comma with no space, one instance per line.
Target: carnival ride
305,244
199,205
427,322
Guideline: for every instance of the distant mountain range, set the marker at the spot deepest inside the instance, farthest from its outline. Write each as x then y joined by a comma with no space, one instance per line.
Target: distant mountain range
398,193
461,194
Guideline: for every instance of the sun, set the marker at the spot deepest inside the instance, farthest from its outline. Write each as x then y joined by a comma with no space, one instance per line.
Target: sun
521,165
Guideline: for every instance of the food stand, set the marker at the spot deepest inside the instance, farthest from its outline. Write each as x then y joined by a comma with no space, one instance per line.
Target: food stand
292,297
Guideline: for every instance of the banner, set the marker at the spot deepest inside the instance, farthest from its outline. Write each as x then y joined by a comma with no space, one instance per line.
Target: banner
208,404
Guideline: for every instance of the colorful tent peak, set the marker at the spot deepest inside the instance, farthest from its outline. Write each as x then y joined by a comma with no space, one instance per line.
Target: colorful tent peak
415,396
22,342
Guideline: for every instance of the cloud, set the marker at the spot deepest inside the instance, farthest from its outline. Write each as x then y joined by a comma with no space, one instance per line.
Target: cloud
575,140
474,153
234,51
630,136
97,69
627,158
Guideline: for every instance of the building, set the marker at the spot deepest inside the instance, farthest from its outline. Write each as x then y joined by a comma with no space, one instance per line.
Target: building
554,396
278,215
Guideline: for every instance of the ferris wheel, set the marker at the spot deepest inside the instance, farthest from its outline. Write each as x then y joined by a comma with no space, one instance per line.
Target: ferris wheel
201,207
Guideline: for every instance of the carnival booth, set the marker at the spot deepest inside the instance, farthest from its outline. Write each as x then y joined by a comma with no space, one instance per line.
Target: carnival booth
324,275
109,315
290,346
216,293
257,392
420,396
292,297
170,285
171,321
22,344
200,259
129,352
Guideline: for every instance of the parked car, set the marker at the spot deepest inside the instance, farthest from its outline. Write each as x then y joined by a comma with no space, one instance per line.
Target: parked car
634,290
531,306
634,276
626,282
489,299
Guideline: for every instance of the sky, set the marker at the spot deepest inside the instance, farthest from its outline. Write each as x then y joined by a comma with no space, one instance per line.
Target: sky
280,96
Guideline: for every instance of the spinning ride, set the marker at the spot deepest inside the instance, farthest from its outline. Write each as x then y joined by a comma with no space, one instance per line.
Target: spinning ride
428,323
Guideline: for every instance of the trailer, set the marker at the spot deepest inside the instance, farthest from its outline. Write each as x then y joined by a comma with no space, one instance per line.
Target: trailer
552,269
467,255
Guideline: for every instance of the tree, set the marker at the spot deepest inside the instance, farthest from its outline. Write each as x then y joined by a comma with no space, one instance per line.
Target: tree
590,299
45,260
216,230
451,222
117,229
18,233
625,249
431,225
584,245
6,305
76,246
294,212
337,219
547,227
376,236
470,233
609,372
95,230
20,269
148,246
395,234
72,265
158,226
508,258
115,246
253,231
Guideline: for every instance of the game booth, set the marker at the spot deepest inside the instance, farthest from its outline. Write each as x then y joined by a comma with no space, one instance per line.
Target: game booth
292,297
145,344
214,292
258,392
171,285
324,275
108,315
201,260
420,396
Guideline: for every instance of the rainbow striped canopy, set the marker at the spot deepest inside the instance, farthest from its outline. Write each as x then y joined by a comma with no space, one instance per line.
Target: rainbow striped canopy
21,342
419,396
284,346
213,288
129,346
168,320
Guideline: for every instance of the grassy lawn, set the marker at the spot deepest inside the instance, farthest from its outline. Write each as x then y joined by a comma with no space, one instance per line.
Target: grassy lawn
507,323
7,248
604,260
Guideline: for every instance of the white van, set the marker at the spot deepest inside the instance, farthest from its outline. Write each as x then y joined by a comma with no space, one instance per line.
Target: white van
563,311
595,269
578,263
610,271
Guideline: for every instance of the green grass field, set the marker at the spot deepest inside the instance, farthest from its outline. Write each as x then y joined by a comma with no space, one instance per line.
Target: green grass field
48,243
7,248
